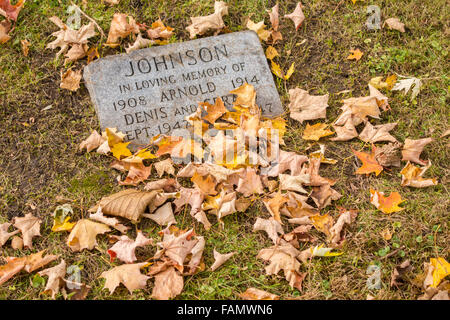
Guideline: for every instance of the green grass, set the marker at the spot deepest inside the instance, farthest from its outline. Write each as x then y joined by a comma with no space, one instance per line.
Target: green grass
40,162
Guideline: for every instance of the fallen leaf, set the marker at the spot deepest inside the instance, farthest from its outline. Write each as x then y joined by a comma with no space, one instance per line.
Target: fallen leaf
25,46
296,16
201,25
346,132
386,204
283,257
250,183
276,70
92,54
259,29
128,274
168,185
274,204
323,195
4,234
17,243
346,217
206,184
213,111
257,294
316,131
287,161
441,269
294,183
29,226
5,27
120,150
369,162
271,226
168,284
112,222
317,251
84,233
61,218
124,248
122,25
92,142
70,80
323,223
398,274
394,23
386,234
139,43
220,259
55,278
163,215
137,173
388,155
129,204
271,53
159,30
9,10
406,84
303,106
355,54
377,133
413,148
28,263
412,176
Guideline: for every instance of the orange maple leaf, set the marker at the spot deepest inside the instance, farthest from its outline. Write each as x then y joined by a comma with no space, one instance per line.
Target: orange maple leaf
355,54
386,204
370,164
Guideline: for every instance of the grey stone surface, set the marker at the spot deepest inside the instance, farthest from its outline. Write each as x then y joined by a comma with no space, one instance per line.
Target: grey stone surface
150,91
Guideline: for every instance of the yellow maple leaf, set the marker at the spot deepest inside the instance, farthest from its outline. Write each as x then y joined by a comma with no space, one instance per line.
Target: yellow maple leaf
120,150
355,54
386,204
441,270
271,53
317,131
64,226
276,69
290,71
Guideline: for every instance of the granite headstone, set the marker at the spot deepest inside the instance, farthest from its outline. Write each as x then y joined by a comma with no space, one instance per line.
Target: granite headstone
151,91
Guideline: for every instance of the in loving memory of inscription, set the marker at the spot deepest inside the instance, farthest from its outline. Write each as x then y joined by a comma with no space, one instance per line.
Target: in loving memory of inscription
151,91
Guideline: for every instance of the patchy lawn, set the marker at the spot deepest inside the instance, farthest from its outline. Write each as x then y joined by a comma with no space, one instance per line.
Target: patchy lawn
40,162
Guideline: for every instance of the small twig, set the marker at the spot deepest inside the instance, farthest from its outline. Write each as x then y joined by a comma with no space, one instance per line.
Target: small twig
90,19
393,252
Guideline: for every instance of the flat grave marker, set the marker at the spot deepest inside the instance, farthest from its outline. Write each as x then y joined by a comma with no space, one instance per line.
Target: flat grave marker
151,91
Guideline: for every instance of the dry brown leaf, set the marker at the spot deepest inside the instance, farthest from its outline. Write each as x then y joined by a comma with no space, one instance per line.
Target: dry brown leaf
213,111
323,195
177,247
346,132
201,25
250,183
67,38
358,109
257,294
303,106
168,185
4,234
125,247
5,27
413,148
270,226
163,215
274,204
346,217
300,233
137,173
55,278
92,142
287,161
294,183
274,21
220,259
129,203
78,291
29,263
128,274
164,166
398,274
84,233
10,11
312,170
159,30
394,23
296,16
412,176
207,184
112,222
388,155
139,43
377,133
122,26
168,284
283,257
17,243
25,46
29,226
323,223
70,80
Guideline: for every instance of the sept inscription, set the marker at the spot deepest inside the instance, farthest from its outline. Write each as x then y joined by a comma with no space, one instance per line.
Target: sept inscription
151,91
